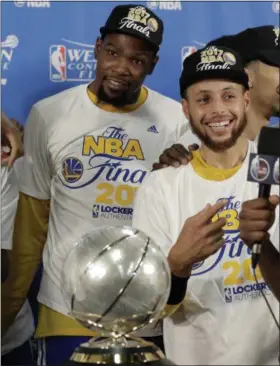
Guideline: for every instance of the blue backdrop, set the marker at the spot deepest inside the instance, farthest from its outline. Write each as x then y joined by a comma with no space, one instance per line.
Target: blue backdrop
33,30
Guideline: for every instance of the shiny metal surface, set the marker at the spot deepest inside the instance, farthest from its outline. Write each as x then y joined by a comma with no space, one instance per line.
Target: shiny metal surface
116,279
102,352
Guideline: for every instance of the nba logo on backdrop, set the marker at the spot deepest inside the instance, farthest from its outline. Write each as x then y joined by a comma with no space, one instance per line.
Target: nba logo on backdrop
58,63
187,51
32,4
164,5
8,47
72,61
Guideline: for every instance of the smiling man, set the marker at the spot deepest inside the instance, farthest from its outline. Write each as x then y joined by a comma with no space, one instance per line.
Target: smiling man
192,213
87,151
259,48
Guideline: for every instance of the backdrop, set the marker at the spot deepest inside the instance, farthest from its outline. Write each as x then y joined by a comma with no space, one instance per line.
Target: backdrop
33,32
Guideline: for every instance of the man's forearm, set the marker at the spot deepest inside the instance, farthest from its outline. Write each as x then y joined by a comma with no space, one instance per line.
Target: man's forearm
270,267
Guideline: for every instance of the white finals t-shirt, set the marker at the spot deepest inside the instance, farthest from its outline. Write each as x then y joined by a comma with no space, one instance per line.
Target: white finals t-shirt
89,162
223,319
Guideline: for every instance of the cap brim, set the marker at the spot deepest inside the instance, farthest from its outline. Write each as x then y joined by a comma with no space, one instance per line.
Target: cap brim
230,75
132,33
270,57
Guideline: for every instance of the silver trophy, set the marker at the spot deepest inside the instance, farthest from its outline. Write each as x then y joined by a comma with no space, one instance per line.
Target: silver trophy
115,281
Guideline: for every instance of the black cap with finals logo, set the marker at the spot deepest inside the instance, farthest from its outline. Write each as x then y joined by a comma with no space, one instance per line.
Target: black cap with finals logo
259,43
213,63
137,21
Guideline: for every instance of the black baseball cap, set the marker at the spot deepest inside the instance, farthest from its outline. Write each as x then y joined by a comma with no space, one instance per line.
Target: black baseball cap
259,43
213,62
137,21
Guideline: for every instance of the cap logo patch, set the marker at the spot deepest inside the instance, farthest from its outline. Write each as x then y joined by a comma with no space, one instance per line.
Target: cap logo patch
213,55
276,30
140,15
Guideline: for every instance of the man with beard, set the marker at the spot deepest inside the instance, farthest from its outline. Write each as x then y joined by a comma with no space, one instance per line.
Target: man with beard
192,211
259,48
87,150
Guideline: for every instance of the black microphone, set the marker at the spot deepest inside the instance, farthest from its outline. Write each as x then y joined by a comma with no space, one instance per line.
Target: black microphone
264,169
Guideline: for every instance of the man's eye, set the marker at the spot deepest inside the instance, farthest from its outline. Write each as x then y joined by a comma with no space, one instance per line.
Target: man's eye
111,53
229,96
203,100
138,62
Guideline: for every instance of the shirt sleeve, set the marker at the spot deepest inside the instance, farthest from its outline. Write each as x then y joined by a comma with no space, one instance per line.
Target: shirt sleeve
35,179
150,214
9,200
188,137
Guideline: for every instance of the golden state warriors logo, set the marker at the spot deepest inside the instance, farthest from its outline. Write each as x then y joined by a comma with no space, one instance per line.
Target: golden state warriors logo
72,169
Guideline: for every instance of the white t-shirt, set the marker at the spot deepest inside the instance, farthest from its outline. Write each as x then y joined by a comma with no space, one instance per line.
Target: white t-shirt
23,326
89,162
223,319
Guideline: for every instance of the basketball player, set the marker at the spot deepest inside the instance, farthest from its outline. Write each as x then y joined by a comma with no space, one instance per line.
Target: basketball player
87,151
192,213
58,62
259,48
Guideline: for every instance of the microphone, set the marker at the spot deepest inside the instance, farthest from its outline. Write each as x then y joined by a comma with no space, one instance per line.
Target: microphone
264,169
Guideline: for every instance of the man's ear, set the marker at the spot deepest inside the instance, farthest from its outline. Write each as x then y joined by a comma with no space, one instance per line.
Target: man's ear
247,99
185,106
153,65
250,74
97,47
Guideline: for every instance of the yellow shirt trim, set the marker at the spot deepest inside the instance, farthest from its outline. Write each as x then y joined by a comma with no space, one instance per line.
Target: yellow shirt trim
210,172
127,108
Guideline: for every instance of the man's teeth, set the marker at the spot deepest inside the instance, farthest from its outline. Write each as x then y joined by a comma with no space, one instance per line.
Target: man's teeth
115,83
219,124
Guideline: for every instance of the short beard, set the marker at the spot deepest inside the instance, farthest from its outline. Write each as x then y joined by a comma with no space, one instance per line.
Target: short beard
219,147
120,101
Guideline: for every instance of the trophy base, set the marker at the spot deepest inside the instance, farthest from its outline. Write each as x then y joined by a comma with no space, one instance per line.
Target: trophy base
96,353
